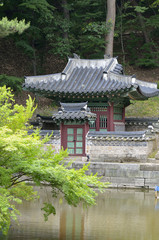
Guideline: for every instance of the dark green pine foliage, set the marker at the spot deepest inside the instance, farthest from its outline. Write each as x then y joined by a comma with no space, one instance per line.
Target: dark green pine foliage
79,27
13,82
66,26
137,29
40,14
89,26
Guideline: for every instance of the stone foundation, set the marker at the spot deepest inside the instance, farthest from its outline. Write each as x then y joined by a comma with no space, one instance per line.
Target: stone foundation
121,161
128,175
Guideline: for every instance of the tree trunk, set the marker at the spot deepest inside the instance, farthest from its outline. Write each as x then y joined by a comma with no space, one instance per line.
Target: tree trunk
110,20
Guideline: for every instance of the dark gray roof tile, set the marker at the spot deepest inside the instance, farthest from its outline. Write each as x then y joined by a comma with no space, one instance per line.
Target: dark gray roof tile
148,92
73,111
120,136
86,76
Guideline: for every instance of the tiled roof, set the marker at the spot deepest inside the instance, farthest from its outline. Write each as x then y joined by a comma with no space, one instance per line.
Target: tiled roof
141,121
84,77
73,112
148,92
54,133
120,136
74,107
44,118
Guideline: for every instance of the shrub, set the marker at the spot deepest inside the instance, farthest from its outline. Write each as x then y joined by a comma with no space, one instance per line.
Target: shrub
13,82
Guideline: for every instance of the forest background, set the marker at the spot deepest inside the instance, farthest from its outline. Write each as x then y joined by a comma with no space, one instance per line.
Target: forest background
60,28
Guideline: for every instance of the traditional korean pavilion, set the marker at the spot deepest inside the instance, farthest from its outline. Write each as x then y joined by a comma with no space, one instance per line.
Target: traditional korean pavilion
93,96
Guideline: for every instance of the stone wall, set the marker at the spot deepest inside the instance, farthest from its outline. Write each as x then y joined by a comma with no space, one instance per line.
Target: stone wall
112,148
55,141
119,126
119,151
128,175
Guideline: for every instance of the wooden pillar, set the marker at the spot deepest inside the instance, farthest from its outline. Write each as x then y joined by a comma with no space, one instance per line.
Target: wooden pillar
111,117
123,117
63,135
86,128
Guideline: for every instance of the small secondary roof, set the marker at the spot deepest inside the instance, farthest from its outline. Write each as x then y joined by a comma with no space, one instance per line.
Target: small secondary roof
74,112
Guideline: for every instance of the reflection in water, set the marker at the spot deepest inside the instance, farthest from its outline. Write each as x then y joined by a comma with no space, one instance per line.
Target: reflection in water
118,215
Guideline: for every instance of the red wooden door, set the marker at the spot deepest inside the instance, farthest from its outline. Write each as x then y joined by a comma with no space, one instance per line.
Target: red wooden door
75,140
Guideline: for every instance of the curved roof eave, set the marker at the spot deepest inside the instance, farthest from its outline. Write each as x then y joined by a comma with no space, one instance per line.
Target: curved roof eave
148,92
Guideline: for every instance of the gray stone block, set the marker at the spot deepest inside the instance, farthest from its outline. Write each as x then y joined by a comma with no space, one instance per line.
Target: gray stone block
99,171
130,166
135,174
113,166
151,174
149,167
111,173
157,155
139,182
151,183
121,182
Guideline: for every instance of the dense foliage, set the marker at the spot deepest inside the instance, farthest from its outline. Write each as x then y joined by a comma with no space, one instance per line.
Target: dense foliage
23,158
68,26
13,26
14,83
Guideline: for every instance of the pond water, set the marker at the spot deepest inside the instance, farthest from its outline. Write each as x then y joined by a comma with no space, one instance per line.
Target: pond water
118,215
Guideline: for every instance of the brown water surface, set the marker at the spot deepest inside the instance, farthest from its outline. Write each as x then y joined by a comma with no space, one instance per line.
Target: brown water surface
118,215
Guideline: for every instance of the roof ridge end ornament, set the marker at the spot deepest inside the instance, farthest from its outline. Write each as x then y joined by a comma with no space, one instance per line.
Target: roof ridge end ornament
107,56
60,110
76,56
105,75
83,109
63,76
133,78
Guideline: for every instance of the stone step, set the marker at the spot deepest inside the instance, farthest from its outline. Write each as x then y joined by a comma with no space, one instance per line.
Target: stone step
76,158
157,156
152,160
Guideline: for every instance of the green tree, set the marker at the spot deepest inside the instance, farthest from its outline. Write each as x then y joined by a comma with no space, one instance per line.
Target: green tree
23,159
138,28
40,15
88,27
8,27
66,26
13,82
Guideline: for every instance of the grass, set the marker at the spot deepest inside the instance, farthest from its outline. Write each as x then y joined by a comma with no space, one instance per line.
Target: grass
153,154
148,108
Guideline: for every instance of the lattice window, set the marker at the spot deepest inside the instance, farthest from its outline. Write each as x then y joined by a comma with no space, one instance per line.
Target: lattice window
118,113
102,121
98,108
92,125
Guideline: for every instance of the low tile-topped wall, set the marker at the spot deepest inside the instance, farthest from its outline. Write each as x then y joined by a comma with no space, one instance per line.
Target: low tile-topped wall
130,175
100,151
113,147
117,149
55,144
140,124
55,139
